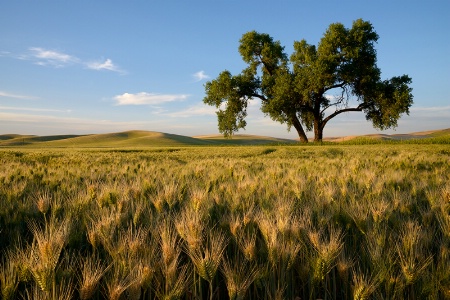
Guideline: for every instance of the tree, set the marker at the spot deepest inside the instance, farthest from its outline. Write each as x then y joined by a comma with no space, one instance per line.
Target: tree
312,87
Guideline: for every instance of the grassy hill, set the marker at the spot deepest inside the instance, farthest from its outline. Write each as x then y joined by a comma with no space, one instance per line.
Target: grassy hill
121,139
244,139
10,137
136,138
127,139
440,133
133,138
435,135
23,140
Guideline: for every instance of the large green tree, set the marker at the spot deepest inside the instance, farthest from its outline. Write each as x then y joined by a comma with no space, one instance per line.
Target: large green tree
314,85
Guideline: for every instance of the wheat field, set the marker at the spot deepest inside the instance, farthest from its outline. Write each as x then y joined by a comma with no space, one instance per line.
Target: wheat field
232,222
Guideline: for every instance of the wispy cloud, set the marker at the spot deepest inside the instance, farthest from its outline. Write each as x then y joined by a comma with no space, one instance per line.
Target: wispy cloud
148,98
45,57
49,124
105,65
430,109
430,114
58,59
36,118
16,96
34,109
64,125
200,75
202,109
193,111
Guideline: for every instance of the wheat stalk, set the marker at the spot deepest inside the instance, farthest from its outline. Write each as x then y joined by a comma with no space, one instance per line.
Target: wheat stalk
118,281
363,285
9,278
411,252
327,250
63,292
247,245
207,258
177,287
46,250
43,201
239,275
92,270
190,227
145,266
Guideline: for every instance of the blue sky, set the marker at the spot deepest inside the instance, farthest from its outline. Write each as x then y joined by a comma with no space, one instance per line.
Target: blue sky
77,67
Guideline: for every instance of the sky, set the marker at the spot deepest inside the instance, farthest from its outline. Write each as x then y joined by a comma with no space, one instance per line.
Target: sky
86,67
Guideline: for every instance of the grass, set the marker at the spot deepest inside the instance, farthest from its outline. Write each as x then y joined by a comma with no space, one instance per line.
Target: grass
329,221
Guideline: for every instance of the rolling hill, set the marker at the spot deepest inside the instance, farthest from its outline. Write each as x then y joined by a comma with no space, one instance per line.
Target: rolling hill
442,133
244,139
133,138
121,139
136,138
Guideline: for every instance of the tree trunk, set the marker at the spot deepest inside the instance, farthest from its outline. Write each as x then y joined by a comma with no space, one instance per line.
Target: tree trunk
301,133
318,130
318,134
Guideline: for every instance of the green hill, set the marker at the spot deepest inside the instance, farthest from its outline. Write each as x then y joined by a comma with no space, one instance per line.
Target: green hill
22,140
442,135
7,137
134,138
125,139
244,139
137,139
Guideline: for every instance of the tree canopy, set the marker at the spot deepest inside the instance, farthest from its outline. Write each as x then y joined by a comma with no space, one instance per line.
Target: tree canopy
313,85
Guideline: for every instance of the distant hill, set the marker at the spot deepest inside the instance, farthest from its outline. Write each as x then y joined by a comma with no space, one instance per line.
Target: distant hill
137,138
22,140
134,138
127,139
6,137
409,136
244,139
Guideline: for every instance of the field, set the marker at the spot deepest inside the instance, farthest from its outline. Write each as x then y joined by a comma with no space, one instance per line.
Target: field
329,221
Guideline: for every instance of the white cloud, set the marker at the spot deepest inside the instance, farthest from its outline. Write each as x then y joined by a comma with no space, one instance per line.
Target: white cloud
440,109
16,96
330,97
33,118
48,124
106,65
427,117
33,109
147,98
53,58
57,59
198,110
200,75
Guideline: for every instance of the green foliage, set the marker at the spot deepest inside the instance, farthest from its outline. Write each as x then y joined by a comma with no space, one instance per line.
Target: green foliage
315,85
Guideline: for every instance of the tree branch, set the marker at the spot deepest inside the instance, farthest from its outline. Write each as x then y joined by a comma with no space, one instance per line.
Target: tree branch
341,99
259,96
338,112
340,85
264,65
